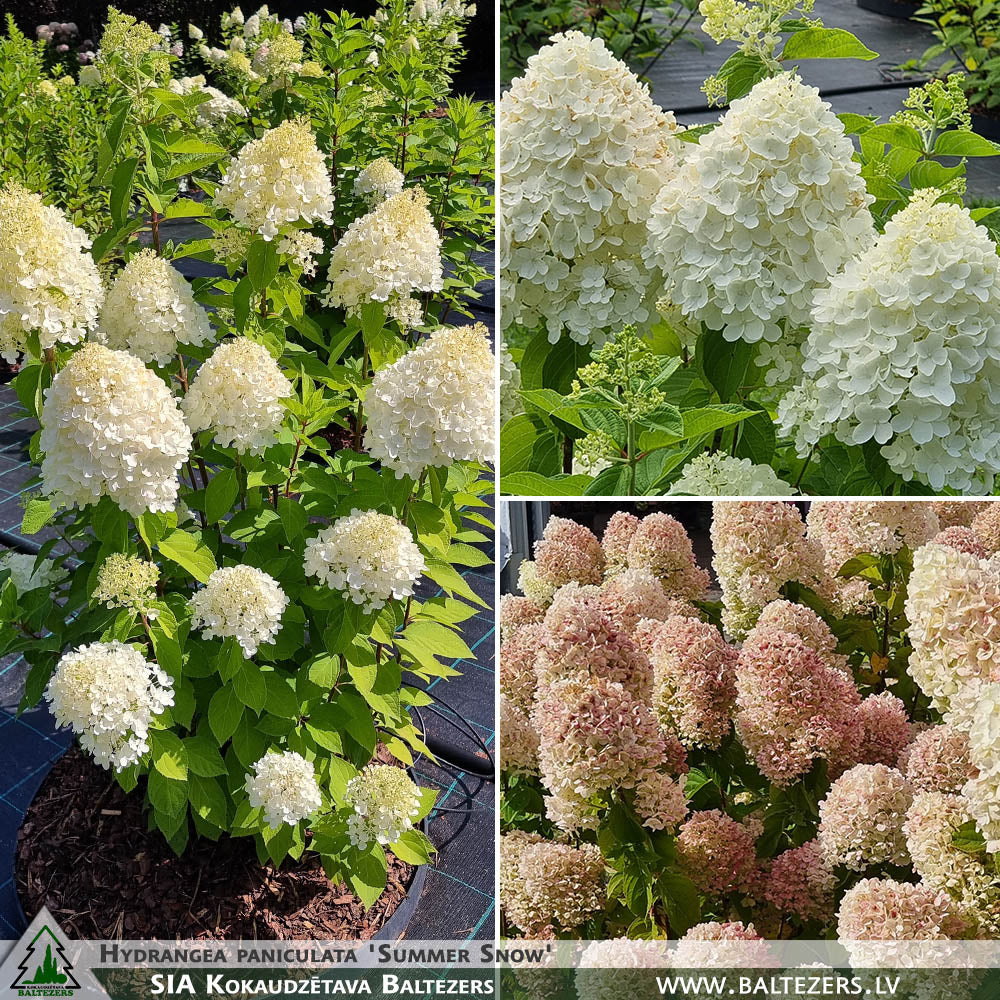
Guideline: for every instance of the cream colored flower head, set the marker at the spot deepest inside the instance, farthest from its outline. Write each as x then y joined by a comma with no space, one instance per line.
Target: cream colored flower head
369,557
765,209
583,153
237,395
126,581
240,602
284,785
435,405
151,309
278,179
111,427
378,181
385,801
386,256
48,281
109,694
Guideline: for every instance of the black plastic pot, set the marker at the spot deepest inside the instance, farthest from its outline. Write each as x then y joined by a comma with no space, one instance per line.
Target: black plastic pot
900,9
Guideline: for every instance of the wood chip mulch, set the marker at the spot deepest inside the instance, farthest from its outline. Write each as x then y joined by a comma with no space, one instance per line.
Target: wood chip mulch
83,851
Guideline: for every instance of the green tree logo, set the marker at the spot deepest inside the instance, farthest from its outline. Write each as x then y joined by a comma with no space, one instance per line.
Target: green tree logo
49,969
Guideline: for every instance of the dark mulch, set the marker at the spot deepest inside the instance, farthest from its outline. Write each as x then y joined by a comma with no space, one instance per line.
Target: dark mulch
83,851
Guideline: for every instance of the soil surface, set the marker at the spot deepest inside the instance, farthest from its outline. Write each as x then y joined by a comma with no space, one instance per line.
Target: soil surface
83,851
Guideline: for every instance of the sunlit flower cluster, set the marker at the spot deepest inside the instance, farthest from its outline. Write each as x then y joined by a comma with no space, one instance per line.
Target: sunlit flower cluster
760,546
237,395
583,153
110,427
150,310
515,611
785,616
636,594
436,404
861,818
283,785
369,557
963,539
764,210
385,802
278,179
241,602
386,256
109,694
902,352
48,281
216,109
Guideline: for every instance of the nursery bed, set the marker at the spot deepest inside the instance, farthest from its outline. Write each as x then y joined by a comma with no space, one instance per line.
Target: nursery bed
84,852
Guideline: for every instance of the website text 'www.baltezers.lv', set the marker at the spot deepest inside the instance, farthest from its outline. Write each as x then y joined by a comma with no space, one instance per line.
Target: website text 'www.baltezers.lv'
777,986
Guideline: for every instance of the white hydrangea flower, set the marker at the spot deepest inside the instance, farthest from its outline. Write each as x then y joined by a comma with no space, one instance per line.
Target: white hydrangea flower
241,602
284,785
510,386
109,694
765,209
369,557
953,607
904,348
110,427
90,76
378,181
435,405
278,179
583,153
126,581
385,256
151,309
303,248
217,108
385,801
237,393
48,281
25,577
983,792
719,475
195,33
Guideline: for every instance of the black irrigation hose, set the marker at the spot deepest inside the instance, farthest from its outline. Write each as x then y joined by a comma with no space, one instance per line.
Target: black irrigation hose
12,541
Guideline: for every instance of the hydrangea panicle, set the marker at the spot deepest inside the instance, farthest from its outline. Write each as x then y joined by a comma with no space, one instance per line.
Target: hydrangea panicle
109,694
111,427
369,557
435,405
284,785
241,602
385,803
